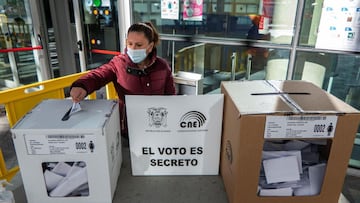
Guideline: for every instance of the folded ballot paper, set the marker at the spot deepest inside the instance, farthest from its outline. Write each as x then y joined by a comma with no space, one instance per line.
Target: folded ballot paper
64,179
291,167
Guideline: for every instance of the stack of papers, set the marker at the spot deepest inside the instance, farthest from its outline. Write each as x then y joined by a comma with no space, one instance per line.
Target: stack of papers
63,179
291,168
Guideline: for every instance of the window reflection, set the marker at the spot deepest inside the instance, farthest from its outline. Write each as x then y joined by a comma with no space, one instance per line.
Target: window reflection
346,79
222,63
262,33
101,31
310,22
215,62
339,74
17,66
314,67
222,18
275,66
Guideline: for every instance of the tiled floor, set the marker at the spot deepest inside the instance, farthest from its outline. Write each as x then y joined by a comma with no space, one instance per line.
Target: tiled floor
157,189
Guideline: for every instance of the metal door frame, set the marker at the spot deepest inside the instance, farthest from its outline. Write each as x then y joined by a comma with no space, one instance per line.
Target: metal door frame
79,34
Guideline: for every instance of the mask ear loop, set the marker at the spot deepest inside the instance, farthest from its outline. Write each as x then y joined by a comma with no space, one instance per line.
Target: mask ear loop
151,48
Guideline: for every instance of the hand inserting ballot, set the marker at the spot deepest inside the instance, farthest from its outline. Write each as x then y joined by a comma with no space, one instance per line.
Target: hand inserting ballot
77,94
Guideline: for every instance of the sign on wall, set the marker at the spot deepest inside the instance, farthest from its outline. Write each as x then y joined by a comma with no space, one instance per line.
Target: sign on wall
193,10
175,135
170,9
339,27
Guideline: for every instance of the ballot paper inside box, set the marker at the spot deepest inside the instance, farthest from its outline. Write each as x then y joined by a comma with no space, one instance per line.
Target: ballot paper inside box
73,160
293,167
284,141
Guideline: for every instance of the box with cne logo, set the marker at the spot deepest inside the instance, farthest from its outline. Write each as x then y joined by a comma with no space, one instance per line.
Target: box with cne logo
285,141
69,155
174,135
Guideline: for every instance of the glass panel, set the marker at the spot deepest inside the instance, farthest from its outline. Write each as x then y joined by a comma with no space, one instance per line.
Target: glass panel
101,31
222,18
276,65
315,67
310,22
215,62
17,66
346,79
332,21
339,74
355,155
220,62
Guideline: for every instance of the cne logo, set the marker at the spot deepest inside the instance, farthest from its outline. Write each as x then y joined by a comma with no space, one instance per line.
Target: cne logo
192,119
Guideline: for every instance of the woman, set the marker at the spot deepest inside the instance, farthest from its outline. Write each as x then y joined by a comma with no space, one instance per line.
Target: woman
137,71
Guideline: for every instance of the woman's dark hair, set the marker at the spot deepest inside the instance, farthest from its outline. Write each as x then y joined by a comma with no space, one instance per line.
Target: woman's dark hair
148,29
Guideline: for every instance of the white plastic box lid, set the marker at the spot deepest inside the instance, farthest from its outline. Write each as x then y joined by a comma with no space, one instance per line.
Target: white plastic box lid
49,113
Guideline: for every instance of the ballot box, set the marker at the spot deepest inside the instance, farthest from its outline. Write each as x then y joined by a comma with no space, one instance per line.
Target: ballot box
285,141
73,160
174,135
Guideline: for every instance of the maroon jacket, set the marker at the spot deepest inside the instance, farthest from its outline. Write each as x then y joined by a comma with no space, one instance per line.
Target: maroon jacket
156,79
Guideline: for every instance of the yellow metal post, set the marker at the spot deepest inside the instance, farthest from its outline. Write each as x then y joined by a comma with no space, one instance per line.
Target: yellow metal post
4,172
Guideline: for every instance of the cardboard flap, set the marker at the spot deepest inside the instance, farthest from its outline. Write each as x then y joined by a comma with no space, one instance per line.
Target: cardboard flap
290,97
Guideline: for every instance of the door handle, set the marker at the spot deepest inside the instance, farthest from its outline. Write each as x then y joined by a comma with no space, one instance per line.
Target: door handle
39,39
79,43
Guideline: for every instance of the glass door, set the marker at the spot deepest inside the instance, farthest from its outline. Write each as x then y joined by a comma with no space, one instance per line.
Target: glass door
99,26
78,34
19,46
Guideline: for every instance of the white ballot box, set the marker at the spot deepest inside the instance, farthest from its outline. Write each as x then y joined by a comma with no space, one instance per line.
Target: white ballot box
175,135
73,160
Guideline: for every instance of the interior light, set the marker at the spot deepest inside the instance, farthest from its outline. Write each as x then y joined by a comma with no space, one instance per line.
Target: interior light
96,3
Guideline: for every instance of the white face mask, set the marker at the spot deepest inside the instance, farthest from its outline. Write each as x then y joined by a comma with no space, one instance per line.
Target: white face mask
136,55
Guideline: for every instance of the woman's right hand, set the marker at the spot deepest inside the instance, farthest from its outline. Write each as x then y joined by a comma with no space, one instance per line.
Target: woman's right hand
77,94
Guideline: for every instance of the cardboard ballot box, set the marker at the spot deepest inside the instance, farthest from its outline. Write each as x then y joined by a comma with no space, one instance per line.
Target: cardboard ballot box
284,141
75,160
175,135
